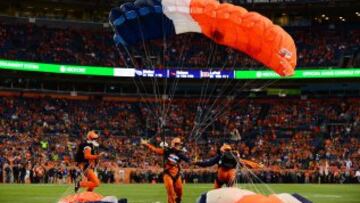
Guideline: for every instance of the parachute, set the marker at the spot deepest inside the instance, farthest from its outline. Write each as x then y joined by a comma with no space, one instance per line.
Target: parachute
82,197
226,24
90,197
235,195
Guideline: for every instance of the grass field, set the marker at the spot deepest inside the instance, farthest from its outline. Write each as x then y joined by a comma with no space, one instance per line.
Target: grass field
156,193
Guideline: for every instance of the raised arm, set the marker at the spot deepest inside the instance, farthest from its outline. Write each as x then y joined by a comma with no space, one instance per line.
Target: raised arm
152,148
184,158
209,162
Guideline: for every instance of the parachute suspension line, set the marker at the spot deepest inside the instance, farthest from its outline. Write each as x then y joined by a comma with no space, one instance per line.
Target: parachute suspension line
247,178
248,181
148,104
220,94
267,187
227,82
219,109
201,116
170,94
172,90
210,61
237,167
165,97
157,115
209,65
175,83
204,87
165,82
204,98
220,112
223,113
208,117
248,175
155,85
255,183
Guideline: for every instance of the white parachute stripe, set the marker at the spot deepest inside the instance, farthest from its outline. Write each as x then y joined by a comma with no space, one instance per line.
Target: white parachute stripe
230,195
179,12
226,195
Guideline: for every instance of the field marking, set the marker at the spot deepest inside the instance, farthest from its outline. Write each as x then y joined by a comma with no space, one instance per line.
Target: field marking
326,196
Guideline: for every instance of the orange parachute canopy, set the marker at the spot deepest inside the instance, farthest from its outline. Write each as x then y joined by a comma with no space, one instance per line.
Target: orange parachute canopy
259,198
81,198
248,32
226,24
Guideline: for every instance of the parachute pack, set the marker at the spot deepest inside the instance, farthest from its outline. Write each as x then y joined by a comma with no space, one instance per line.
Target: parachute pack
228,160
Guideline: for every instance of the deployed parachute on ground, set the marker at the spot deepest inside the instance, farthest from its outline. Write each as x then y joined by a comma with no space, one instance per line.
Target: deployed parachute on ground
235,195
90,197
226,24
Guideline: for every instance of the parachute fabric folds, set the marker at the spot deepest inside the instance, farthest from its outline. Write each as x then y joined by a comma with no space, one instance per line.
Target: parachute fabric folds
138,21
82,198
248,32
90,197
226,24
236,195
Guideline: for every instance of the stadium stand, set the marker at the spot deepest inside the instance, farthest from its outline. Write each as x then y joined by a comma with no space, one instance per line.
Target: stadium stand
310,140
316,48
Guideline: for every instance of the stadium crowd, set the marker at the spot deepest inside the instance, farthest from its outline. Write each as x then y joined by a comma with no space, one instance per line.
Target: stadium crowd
308,140
29,42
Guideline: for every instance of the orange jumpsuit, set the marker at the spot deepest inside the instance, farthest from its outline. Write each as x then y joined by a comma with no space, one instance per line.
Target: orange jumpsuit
172,179
87,164
225,176
226,173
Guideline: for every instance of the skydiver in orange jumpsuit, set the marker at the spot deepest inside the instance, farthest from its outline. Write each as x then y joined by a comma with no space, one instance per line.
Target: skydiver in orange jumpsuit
171,176
227,161
87,157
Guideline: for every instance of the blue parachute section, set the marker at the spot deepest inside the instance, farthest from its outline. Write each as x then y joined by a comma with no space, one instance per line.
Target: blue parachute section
137,22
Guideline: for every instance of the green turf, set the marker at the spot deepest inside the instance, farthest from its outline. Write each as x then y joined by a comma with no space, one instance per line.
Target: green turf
156,193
